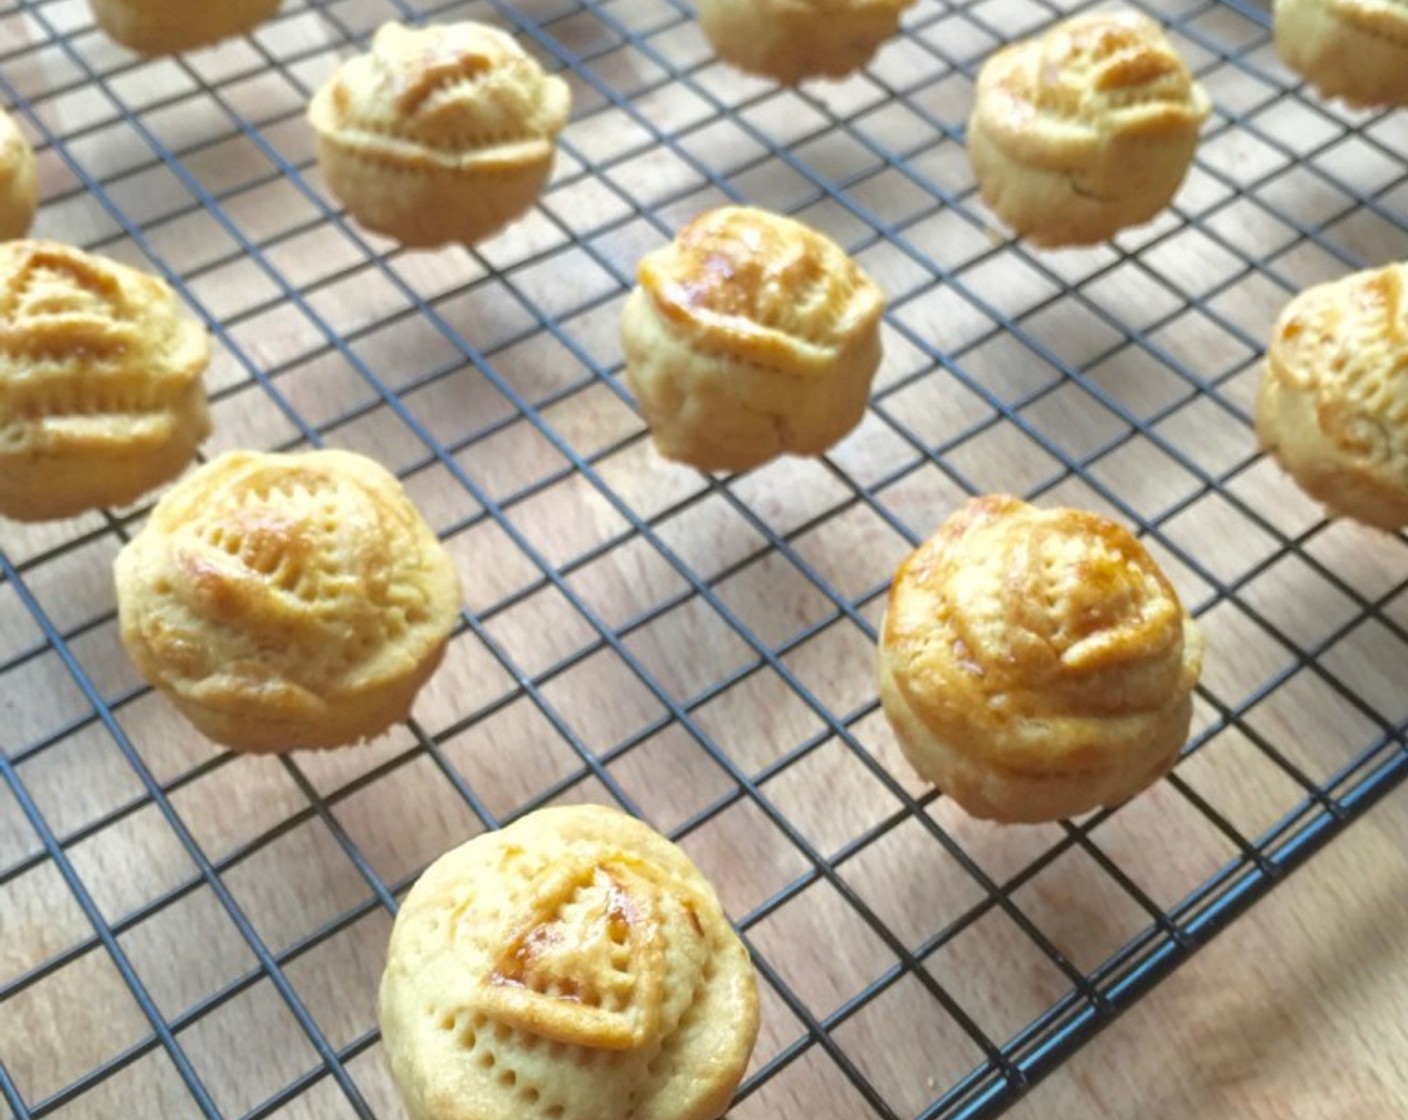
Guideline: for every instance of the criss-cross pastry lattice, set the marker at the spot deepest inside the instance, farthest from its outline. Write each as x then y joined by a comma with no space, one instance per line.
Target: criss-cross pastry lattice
287,601
575,966
101,396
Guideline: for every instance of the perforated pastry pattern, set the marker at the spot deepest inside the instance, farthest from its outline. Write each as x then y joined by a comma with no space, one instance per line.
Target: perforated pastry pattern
87,340
1347,345
736,273
453,90
1117,378
1107,75
1103,64
577,961
313,573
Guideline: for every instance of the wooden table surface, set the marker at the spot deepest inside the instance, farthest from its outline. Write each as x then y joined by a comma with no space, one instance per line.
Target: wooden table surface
1299,1011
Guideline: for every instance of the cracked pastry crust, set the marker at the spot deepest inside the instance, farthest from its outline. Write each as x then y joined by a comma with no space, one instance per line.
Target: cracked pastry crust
101,397
19,183
1353,49
573,966
791,40
153,27
1085,130
439,134
1333,403
1036,664
287,601
750,336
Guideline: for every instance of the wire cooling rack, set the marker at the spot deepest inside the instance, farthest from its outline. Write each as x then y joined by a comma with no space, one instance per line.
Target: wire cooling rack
201,934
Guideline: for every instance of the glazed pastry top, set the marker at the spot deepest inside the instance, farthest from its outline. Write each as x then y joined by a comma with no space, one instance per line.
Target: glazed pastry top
1346,343
1056,621
295,575
92,352
1084,81
575,964
459,89
763,289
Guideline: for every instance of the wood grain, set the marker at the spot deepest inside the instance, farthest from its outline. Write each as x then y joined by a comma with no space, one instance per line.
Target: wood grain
1298,1011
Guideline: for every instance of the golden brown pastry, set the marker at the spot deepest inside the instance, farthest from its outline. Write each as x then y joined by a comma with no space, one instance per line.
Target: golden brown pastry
19,181
574,965
1354,49
101,397
1036,664
1085,130
750,336
153,27
789,40
1333,405
439,134
287,601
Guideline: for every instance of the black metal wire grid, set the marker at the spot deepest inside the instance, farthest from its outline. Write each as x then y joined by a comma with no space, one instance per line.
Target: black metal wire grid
1097,376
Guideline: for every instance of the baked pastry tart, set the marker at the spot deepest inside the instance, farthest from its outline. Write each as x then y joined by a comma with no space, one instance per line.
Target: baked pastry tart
1333,403
574,965
153,27
101,397
1353,49
439,134
1036,664
1084,130
790,40
748,337
287,601
19,181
